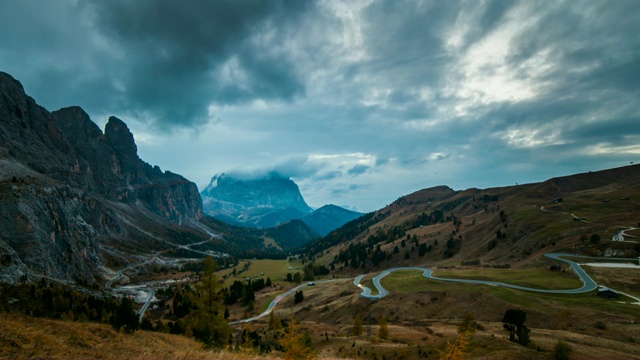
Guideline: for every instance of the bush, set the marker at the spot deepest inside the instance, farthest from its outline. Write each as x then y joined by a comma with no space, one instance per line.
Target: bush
474,262
561,351
600,325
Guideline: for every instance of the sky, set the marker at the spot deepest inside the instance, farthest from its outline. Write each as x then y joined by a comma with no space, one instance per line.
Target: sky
359,102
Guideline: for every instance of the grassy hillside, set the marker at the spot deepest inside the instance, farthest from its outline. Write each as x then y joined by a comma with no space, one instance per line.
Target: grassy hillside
511,225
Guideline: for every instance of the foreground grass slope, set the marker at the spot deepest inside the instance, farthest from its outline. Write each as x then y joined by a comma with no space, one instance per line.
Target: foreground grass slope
23,337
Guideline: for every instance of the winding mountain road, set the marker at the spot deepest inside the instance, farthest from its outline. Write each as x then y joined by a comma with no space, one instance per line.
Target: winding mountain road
275,302
587,282
150,292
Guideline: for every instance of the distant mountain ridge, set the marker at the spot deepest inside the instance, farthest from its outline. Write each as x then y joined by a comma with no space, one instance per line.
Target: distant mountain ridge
266,201
328,218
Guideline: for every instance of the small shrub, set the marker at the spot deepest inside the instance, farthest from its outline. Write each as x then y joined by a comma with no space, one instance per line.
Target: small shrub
600,325
561,351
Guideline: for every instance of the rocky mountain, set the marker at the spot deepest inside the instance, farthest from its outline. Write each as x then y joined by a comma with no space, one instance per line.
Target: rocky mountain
78,202
255,201
267,201
328,218
496,226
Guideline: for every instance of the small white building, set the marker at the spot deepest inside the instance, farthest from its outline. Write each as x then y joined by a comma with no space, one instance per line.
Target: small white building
618,237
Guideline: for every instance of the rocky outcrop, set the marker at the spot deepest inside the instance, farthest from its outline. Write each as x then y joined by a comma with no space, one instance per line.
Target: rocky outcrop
74,198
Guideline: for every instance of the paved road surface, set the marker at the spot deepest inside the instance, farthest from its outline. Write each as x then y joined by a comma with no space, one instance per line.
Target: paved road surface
587,283
276,301
151,293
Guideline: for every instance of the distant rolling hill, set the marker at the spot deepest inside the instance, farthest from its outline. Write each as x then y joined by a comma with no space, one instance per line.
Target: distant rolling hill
511,224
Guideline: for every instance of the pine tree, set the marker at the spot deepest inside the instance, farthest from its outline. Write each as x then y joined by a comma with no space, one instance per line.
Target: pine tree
466,329
455,349
209,326
125,317
209,286
513,321
383,331
357,326
274,321
561,351
297,346
468,324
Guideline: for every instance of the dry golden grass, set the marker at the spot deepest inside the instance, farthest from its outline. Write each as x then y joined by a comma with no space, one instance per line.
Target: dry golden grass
23,337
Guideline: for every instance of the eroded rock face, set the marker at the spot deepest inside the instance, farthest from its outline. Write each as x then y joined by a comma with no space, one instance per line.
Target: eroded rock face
72,195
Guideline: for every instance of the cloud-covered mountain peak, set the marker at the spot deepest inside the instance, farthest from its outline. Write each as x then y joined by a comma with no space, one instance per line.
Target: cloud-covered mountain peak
243,196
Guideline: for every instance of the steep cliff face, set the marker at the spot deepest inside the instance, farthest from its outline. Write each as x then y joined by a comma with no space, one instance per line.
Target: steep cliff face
74,198
109,164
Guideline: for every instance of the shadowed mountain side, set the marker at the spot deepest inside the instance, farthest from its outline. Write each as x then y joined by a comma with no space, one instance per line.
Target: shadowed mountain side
329,218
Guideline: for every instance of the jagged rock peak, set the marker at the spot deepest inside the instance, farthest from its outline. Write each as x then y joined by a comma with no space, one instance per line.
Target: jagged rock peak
6,79
119,135
76,121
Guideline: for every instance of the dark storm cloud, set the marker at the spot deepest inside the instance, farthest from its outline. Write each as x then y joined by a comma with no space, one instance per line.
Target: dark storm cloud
181,57
408,43
45,44
163,62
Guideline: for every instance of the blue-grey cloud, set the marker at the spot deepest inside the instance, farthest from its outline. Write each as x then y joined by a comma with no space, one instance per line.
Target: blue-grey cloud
358,170
342,190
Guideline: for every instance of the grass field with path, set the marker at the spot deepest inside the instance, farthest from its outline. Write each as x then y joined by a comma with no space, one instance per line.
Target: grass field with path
276,270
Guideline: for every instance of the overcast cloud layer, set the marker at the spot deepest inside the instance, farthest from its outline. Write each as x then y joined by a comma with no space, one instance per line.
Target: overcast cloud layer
360,102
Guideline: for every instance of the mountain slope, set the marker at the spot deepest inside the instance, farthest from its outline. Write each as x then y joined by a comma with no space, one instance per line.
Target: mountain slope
328,218
512,224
